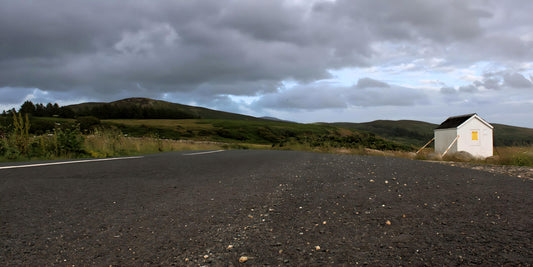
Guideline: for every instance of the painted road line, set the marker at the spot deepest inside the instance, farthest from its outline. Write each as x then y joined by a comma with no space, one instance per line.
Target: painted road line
201,153
66,162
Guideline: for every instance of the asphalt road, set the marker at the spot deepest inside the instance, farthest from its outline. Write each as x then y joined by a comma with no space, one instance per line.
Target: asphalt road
263,208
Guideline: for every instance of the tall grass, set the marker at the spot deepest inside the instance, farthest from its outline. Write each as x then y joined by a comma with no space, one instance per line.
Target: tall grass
111,143
519,156
510,155
104,142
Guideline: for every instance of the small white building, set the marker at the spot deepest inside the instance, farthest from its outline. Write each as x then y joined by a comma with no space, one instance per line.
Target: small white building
469,133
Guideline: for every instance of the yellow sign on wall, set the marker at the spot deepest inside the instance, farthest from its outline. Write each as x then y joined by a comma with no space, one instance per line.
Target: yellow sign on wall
474,136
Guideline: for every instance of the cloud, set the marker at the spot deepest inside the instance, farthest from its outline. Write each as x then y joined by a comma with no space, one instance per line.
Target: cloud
209,52
368,83
516,80
366,93
307,97
448,90
148,39
500,80
14,95
179,46
468,88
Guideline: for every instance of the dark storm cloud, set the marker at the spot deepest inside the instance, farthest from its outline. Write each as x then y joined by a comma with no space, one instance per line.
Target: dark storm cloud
214,48
166,46
174,45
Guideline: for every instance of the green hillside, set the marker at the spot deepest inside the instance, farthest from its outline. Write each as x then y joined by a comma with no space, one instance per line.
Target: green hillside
144,108
417,133
148,117
142,117
274,133
505,135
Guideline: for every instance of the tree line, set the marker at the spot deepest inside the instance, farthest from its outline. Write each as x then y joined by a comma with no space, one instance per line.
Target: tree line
100,111
42,110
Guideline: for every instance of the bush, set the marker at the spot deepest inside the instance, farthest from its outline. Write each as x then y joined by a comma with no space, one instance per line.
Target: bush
41,126
522,159
8,149
87,123
69,141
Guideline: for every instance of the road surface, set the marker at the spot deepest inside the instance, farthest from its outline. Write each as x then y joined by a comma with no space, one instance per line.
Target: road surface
262,208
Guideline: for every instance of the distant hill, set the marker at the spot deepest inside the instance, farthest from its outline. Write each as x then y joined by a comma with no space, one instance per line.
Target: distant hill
418,133
274,119
404,131
145,117
505,135
409,132
145,108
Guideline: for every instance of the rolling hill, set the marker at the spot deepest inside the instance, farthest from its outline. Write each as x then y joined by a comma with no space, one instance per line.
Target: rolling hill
408,132
145,108
418,132
148,117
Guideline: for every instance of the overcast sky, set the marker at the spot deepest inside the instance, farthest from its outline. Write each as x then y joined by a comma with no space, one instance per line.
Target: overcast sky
300,60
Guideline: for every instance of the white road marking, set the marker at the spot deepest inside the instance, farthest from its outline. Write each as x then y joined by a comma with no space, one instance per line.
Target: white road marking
201,153
66,162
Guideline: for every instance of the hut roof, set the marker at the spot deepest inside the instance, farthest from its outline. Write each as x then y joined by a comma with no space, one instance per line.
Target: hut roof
454,122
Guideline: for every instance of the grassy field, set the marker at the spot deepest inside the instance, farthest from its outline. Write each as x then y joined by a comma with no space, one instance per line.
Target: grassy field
56,138
519,156
53,138
405,131
275,133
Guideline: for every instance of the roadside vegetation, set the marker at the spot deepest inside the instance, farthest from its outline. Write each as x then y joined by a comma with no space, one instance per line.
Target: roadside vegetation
503,155
67,141
35,138
39,132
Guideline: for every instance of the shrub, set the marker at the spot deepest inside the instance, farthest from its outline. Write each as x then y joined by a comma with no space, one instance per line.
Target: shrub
523,160
69,141
8,148
87,123
21,132
41,126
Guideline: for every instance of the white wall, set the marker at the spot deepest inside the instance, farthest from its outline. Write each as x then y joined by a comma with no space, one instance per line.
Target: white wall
480,148
443,139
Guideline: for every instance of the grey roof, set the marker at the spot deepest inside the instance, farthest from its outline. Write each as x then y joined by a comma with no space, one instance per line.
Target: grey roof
454,122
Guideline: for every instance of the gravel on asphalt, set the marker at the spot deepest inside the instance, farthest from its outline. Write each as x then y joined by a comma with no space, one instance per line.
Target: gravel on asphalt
263,208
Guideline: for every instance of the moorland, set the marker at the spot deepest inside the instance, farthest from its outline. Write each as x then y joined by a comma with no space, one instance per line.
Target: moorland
135,126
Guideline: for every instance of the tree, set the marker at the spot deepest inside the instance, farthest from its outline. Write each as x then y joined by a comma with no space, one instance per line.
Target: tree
27,108
39,110
66,112
49,109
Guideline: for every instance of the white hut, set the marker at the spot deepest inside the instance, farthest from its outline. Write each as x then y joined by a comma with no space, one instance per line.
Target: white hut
469,133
